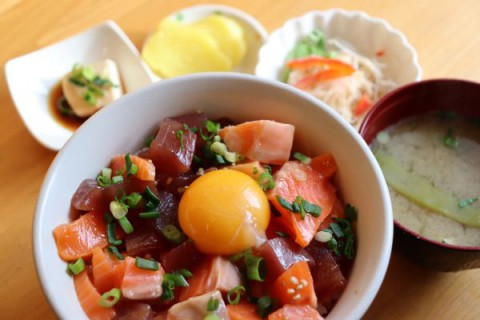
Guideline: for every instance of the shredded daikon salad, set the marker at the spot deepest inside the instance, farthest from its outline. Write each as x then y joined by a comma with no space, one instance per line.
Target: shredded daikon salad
338,75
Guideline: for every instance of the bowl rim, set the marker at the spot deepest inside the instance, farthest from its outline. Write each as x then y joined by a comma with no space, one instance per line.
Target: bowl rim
380,267
379,105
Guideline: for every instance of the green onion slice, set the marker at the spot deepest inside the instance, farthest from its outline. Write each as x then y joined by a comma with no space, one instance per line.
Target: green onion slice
115,252
149,215
302,158
255,265
118,209
117,179
126,225
147,264
77,267
111,236
265,181
212,304
234,295
151,196
450,140
265,305
172,233
110,298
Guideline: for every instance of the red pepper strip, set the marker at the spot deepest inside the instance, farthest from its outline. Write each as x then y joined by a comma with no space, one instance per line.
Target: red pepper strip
333,69
363,104
315,61
310,80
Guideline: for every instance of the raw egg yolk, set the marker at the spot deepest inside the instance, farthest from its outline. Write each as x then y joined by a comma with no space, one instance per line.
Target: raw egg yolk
224,212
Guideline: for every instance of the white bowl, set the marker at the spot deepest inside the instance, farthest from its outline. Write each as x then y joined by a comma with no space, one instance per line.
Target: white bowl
31,77
240,97
366,35
255,33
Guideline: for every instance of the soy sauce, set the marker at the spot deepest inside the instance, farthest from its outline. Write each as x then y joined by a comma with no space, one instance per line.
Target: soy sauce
61,110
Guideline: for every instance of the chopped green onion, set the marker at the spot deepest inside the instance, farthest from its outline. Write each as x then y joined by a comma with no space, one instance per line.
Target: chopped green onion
107,217
88,73
255,170
77,267
111,236
234,295
89,98
172,280
265,305
231,156
282,234
179,135
117,179
115,252
302,158
219,148
265,181
337,230
172,234
236,257
177,279
118,209
103,181
212,304
450,140
466,202
219,159
212,127
300,205
149,140
149,215
126,225
131,168
151,196
255,265
76,82
133,199
147,264
192,129
110,298
351,213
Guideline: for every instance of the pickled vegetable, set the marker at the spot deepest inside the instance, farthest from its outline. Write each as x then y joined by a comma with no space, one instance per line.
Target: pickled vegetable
422,192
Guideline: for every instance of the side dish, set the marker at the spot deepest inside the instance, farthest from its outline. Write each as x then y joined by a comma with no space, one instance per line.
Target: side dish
334,72
431,164
86,89
210,220
214,43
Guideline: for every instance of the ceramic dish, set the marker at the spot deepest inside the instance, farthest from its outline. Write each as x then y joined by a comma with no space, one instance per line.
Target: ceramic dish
415,99
255,33
31,77
239,97
371,37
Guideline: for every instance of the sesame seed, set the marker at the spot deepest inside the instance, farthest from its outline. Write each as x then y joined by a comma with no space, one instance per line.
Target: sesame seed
290,291
293,280
304,282
296,297
323,236
300,287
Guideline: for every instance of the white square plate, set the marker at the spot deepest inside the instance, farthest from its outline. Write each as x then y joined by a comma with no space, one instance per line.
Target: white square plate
31,77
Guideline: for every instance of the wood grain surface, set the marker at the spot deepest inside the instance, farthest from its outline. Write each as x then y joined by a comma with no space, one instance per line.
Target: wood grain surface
446,34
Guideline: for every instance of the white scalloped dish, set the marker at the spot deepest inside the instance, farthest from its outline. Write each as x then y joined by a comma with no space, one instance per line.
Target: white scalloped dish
372,38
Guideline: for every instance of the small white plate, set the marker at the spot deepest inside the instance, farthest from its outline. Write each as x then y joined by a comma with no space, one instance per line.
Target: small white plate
31,77
255,33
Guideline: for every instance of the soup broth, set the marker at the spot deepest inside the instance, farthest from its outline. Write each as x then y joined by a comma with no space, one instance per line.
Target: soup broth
442,153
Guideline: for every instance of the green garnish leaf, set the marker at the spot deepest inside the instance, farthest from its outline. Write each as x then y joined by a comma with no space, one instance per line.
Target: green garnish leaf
89,98
265,181
179,135
235,294
282,234
450,140
265,306
466,202
302,158
212,304
147,264
300,205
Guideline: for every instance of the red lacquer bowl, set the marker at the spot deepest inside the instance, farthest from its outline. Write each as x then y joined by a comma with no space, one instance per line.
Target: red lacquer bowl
417,98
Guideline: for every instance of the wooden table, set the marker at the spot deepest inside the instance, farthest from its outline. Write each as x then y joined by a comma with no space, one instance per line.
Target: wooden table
444,32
